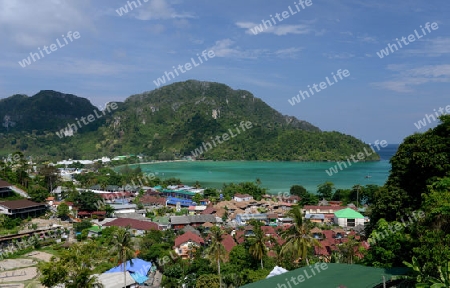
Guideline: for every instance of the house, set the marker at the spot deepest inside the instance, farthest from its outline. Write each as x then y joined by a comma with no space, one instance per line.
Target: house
94,231
154,201
5,189
348,218
228,242
315,218
326,210
242,197
90,214
123,208
22,208
138,227
242,219
186,243
178,222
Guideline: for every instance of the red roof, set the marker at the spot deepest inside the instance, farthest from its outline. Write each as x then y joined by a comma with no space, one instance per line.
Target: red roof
147,199
228,242
21,204
87,213
323,207
3,184
209,210
188,236
268,230
239,236
133,223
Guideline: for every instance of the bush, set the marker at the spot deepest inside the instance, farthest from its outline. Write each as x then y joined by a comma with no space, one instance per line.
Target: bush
48,242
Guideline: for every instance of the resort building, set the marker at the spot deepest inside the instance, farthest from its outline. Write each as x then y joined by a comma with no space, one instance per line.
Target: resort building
348,218
22,208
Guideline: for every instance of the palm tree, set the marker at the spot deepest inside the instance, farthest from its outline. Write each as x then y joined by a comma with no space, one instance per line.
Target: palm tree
258,243
124,248
298,239
216,251
349,249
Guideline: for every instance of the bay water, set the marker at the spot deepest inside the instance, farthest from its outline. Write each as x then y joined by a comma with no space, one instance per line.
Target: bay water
275,176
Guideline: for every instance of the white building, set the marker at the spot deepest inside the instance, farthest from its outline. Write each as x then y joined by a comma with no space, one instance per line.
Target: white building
348,218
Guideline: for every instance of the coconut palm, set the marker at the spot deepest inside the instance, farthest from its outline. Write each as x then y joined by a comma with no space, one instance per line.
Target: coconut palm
298,239
216,251
124,248
258,247
349,250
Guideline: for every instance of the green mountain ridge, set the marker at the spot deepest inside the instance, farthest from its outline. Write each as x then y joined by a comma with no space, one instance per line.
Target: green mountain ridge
167,123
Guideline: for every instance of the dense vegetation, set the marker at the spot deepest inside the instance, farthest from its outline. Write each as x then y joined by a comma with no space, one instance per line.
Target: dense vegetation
419,184
168,123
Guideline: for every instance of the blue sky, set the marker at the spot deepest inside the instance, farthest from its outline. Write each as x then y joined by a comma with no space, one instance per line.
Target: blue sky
117,56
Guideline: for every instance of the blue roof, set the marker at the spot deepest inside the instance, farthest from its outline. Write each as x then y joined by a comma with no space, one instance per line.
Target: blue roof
183,202
139,266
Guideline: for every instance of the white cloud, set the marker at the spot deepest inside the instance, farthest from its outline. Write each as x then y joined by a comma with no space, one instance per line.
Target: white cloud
279,30
433,47
158,10
406,79
368,39
35,23
226,48
343,55
288,52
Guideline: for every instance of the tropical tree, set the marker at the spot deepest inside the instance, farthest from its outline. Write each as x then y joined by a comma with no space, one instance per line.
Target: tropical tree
73,268
349,250
325,190
63,210
298,239
258,247
123,246
216,251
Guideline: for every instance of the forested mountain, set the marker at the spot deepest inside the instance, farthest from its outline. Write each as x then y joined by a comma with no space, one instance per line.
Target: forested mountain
165,123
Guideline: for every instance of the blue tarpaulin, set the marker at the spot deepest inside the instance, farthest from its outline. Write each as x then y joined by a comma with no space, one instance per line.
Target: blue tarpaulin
138,270
139,278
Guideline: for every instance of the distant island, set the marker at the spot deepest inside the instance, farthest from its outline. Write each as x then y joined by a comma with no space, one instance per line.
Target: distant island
168,123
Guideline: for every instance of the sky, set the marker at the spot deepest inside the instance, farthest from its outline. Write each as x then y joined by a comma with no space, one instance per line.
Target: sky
107,50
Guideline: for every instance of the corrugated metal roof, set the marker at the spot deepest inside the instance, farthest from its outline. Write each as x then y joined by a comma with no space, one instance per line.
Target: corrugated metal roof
348,213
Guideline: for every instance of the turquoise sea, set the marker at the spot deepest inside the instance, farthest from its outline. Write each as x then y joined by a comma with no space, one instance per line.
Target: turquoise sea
276,176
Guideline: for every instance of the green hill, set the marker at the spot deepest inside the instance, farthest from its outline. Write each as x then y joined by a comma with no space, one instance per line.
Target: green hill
165,123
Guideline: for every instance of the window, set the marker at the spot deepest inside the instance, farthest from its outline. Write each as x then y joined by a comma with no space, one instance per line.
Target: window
350,222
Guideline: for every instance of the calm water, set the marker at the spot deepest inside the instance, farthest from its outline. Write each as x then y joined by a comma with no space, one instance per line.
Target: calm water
276,176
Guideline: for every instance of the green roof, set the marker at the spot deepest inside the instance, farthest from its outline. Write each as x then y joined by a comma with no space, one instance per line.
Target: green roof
331,275
348,213
95,229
